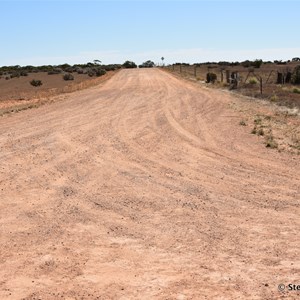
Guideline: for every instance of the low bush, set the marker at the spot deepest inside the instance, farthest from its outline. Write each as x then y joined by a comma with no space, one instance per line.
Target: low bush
91,73
100,72
257,120
36,83
274,98
68,76
54,72
211,77
253,81
270,142
15,75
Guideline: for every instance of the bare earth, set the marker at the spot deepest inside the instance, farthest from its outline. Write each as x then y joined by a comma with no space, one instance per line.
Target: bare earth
145,188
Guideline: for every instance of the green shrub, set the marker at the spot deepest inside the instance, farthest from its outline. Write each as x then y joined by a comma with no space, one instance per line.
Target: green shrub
296,91
68,76
274,98
147,64
253,80
129,65
15,75
36,83
54,72
257,63
100,72
91,73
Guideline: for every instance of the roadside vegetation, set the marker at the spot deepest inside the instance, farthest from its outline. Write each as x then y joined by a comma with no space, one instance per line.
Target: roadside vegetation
25,87
276,81
92,69
271,110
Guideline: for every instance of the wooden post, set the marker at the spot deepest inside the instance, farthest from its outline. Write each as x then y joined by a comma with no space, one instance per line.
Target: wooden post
288,77
279,78
195,71
173,67
221,75
227,76
261,85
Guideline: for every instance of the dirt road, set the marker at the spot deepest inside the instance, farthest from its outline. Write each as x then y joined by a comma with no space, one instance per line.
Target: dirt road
144,188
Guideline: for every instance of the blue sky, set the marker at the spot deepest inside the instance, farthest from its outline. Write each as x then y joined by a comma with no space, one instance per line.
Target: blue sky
55,32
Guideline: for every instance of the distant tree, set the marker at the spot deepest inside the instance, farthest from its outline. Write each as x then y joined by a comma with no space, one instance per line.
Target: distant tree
129,65
64,66
97,62
257,63
279,62
147,64
162,60
296,59
246,63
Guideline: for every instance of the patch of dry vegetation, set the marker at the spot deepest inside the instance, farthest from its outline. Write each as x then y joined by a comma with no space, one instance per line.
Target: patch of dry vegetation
278,127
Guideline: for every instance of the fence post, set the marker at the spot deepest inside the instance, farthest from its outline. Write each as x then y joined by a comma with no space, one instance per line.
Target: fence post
227,76
261,85
195,71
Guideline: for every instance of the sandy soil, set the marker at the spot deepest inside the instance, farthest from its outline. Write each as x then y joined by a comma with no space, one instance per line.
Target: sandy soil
18,94
21,89
145,188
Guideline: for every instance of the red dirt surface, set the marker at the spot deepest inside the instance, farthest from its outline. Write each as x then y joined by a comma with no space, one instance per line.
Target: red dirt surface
145,188
17,94
20,88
